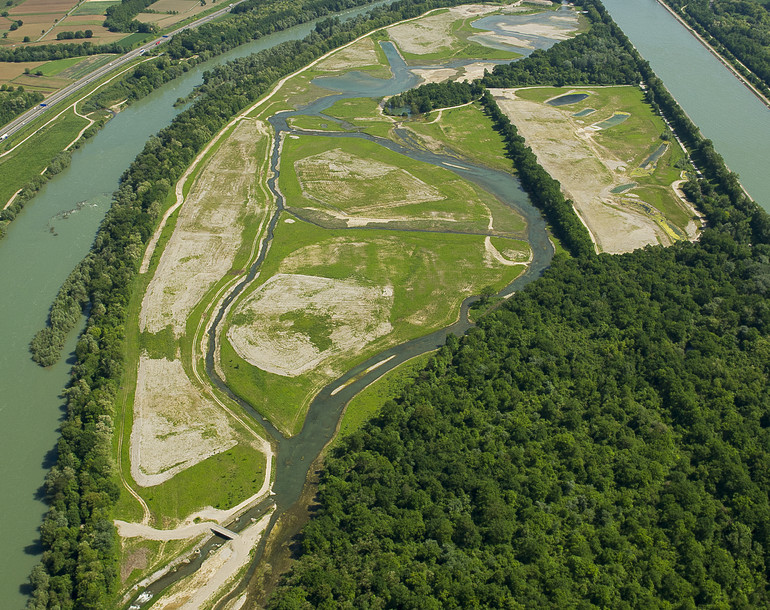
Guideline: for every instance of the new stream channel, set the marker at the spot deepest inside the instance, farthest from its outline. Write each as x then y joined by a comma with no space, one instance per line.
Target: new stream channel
56,229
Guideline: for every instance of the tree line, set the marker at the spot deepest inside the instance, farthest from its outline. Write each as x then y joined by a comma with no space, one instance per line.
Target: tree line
739,30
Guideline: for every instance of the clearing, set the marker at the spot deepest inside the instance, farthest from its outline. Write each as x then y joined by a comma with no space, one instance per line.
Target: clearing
175,426
292,323
591,163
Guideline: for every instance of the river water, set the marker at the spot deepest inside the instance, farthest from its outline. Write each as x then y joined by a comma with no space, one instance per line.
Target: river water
43,244
56,229
725,110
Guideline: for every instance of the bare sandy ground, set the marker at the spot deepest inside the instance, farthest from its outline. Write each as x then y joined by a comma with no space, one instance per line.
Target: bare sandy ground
175,426
359,54
475,70
346,182
353,314
587,173
208,232
216,573
434,33
437,75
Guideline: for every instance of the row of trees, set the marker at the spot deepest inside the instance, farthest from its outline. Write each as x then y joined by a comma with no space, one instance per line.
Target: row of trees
78,568
740,30
48,52
601,440
77,35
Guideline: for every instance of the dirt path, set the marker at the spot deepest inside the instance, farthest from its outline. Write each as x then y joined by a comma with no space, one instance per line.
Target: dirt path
216,572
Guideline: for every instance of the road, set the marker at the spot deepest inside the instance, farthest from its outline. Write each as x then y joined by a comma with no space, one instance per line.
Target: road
33,113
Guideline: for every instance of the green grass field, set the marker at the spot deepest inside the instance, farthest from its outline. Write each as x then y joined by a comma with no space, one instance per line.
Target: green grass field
52,68
220,477
95,7
467,131
29,160
134,39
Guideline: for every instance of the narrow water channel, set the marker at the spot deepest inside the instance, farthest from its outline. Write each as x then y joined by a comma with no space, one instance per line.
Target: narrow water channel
44,243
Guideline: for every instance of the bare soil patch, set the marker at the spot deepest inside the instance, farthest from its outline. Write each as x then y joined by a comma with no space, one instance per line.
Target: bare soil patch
292,323
341,180
42,6
433,33
356,55
435,75
175,426
137,560
475,70
208,231
586,171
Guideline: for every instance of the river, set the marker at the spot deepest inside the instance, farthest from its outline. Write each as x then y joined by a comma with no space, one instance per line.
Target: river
725,110
45,242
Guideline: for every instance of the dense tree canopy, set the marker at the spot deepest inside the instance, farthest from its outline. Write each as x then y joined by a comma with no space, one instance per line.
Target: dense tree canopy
601,440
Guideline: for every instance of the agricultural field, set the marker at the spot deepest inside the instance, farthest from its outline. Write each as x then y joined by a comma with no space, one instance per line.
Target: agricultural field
42,20
613,157
167,13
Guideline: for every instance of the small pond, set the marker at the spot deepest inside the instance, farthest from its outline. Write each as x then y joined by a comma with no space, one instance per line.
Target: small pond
653,158
615,119
566,100
623,187
585,112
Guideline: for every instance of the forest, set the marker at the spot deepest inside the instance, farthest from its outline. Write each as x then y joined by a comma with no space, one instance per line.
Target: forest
14,101
738,29
599,441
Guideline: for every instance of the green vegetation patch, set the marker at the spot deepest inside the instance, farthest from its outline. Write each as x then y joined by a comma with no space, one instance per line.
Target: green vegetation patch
367,403
94,7
468,131
52,68
430,274
134,39
230,476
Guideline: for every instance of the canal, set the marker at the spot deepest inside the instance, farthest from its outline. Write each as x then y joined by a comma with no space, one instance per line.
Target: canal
726,111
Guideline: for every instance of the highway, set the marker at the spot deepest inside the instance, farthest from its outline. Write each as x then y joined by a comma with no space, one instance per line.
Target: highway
33,113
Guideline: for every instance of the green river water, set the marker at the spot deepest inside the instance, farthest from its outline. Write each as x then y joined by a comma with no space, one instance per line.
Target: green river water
45,242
